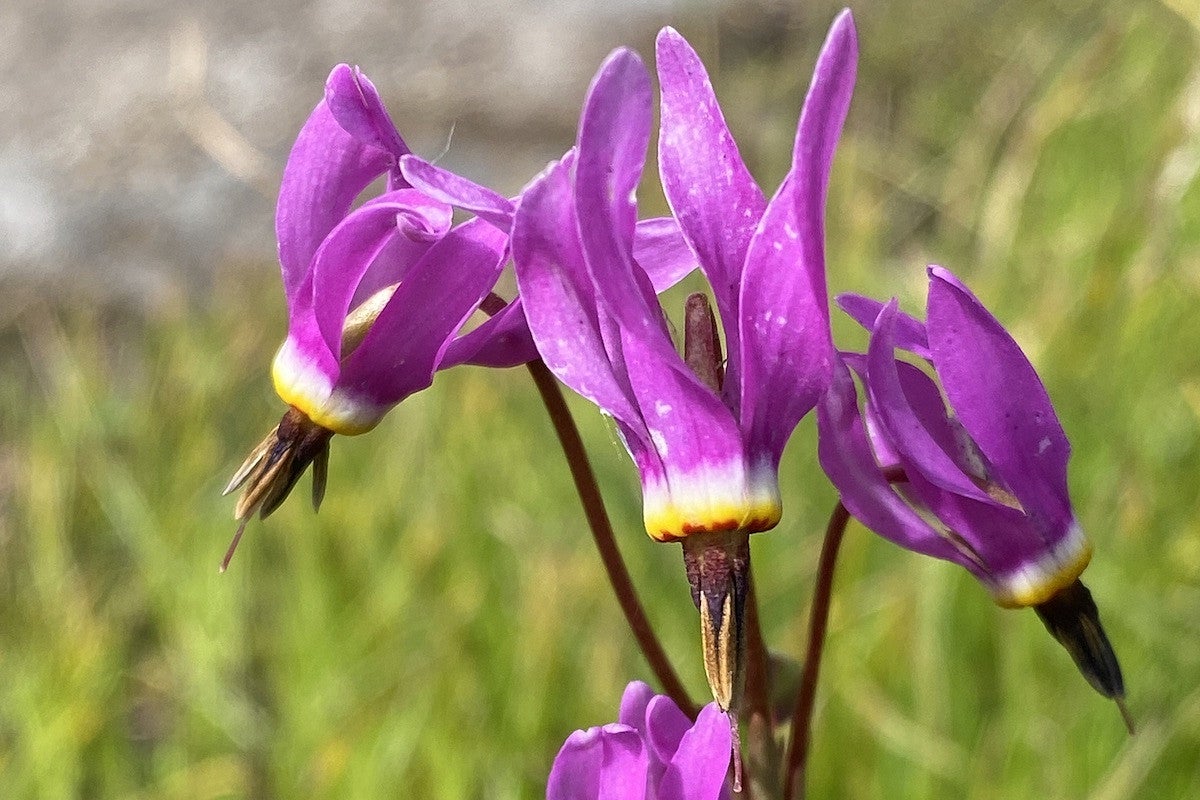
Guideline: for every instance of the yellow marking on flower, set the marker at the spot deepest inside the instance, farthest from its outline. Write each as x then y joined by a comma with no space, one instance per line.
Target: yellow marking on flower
309,394
1036,584
670,523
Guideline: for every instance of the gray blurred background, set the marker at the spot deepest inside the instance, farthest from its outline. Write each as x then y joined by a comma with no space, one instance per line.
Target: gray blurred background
141,142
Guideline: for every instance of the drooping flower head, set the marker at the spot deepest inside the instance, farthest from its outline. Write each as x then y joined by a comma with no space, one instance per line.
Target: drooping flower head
374,294
654,752
706,440
708,457
964,460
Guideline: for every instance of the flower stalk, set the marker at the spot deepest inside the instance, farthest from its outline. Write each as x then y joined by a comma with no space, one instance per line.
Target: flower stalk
602,534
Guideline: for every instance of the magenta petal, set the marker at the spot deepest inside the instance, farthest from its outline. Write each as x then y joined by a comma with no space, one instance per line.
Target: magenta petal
710,191
846,457
924,440
458,191
666,726
1001,537
606,763
910,332
614,132
356,105
701,764
1000,401
439,293
559,299
351,248
786,349
326,170
634,701
502,341
613,135
661,251
694,433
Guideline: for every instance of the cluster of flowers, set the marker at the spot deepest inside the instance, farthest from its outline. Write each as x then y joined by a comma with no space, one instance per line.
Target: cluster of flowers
962,458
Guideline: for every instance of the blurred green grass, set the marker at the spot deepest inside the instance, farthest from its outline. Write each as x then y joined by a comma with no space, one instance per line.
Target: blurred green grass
443,624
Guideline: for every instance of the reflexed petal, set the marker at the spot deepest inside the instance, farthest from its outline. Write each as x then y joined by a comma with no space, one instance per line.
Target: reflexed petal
356,105
701,764
786,349
910,332
436,297
1000,401
705,486
915,419
458,191
613,135
606,763
502,341
846,457
325,171
559,299
710,191
662,252
1015,561
614,132
353,246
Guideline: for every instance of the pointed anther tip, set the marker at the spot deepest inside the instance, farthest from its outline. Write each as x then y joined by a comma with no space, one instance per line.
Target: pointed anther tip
237,537
1126,715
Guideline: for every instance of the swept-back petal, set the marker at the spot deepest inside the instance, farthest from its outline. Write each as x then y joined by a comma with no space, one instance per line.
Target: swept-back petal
913,414
458,191
700,765
614,132
356,105
325,171
350,249
910,332
559,299
502,341
606,763
710,191
1000,401
439,293
705,482
1016,563
661,251
846,457
786,346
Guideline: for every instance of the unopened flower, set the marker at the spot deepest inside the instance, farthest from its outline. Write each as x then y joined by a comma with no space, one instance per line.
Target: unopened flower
706,437
374,295
964,460
654,752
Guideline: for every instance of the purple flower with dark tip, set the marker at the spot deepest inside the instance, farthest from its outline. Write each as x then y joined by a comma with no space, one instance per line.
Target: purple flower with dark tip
708,455
654,752
964,460
375,294
706,436
984,478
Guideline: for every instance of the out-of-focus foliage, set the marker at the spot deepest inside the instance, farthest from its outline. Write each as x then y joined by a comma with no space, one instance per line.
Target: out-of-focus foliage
443,623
